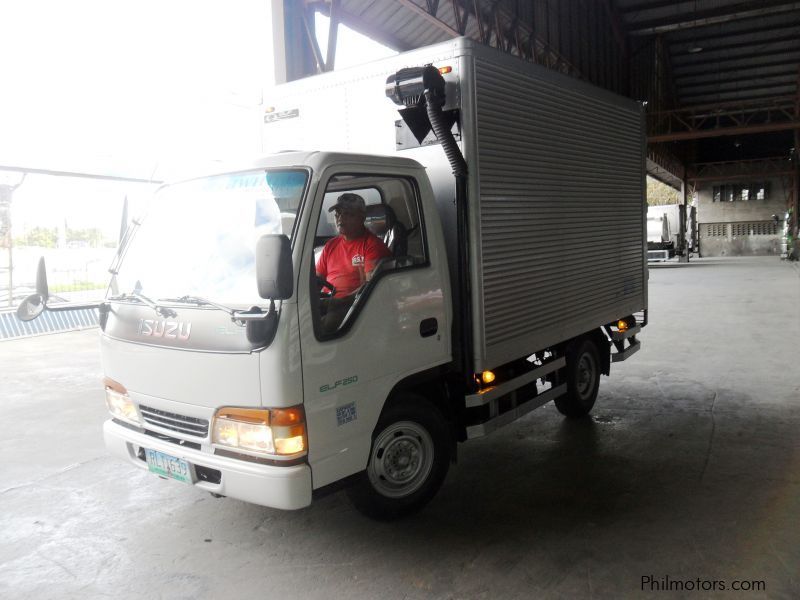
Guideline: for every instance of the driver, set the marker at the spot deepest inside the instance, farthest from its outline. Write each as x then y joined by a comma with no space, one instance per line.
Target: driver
349,259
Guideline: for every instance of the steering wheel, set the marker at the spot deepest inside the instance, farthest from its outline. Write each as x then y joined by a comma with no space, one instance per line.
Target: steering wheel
322,283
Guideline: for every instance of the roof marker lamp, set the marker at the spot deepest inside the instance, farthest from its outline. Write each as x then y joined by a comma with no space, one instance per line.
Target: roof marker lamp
119,403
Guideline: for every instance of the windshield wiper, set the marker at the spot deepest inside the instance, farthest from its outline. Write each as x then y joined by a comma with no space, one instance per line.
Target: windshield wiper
198,301
239,317
138,297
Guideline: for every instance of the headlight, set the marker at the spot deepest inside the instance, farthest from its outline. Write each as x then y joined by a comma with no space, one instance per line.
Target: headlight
261,431
119,404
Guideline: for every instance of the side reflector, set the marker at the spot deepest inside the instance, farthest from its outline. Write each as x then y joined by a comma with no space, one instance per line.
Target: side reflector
445,70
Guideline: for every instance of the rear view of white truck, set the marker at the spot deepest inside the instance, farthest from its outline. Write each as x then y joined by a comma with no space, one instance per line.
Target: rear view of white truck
511,201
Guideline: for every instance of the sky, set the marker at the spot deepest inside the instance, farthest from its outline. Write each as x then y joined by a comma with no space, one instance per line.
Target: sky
132,85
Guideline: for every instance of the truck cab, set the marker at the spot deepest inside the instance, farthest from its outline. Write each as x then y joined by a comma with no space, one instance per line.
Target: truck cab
189,368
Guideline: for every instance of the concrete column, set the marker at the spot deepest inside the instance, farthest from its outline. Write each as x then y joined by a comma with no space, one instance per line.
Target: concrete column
298,25
795,229
278,36
683,247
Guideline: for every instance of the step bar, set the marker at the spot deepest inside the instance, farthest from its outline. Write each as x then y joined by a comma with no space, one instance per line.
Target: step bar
619,337
475,431
506,395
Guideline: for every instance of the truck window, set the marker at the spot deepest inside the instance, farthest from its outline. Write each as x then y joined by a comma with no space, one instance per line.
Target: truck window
198,237
369,226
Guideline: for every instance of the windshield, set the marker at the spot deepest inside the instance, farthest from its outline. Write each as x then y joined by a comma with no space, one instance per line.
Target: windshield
198,238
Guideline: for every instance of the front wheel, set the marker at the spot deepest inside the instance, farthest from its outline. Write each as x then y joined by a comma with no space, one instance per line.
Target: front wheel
583,379
408,461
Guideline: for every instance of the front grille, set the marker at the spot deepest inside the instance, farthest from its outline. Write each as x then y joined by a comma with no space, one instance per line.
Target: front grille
175,422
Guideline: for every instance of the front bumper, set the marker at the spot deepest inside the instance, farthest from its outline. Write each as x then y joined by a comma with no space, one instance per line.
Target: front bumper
287,488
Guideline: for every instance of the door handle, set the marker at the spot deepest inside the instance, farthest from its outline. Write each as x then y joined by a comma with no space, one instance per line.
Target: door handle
428,327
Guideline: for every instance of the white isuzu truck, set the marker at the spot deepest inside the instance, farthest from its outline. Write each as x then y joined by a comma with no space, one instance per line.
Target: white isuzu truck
512,202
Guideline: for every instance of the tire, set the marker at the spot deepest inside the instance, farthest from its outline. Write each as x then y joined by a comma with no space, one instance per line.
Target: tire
583,379
408,461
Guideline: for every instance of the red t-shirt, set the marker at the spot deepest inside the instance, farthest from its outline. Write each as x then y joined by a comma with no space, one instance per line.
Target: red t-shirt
346,264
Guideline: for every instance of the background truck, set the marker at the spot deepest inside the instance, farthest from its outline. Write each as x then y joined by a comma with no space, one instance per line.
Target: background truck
661,231
511,199
664,231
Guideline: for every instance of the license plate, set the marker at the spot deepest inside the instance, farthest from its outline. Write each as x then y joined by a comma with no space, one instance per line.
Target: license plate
168,466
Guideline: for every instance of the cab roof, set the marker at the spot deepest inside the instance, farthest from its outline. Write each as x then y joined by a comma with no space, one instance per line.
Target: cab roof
316,160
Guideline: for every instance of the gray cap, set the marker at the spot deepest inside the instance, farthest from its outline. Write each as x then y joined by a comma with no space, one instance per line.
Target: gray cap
350,201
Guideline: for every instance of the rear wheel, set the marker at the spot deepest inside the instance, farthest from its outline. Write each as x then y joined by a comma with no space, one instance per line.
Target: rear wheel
583,379
407,463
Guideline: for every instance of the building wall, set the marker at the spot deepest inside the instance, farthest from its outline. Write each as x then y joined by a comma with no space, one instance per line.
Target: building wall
741,227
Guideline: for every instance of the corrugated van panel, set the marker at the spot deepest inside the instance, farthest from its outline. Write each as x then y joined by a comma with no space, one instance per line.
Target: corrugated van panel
561,210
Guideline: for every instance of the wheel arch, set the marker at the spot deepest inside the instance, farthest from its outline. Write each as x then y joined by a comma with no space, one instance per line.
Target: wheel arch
431,386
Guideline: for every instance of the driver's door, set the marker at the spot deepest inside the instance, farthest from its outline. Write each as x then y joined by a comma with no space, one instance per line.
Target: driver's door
398,325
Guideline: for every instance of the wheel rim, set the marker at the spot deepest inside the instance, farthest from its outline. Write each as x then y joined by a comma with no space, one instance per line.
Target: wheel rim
586,374
401,459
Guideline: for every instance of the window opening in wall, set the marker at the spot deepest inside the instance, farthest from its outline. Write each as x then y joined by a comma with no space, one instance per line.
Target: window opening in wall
741,192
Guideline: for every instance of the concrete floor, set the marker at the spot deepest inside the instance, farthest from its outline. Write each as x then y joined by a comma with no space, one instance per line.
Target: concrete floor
689,469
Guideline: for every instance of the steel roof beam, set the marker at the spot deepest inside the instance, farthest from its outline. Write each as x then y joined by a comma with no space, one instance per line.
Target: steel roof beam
333,31
364,27
718,96
793,37
725,14
77,174
762,168
738,117
780,63
739,177
689,91
432,19
644,6
745,78
727,59
722,132
688,36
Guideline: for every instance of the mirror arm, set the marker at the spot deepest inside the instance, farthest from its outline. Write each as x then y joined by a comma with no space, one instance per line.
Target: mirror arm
254,314
75,306
260,326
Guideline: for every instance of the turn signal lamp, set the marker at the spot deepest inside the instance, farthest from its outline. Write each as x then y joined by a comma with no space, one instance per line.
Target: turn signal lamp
622,325
119,403
261,431
487,377
445,70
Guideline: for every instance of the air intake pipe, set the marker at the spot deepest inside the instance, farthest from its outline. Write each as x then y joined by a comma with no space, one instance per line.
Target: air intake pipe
421,90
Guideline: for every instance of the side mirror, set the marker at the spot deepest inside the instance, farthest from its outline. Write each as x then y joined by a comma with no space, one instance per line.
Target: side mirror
41,281
33,305
30,308
274,271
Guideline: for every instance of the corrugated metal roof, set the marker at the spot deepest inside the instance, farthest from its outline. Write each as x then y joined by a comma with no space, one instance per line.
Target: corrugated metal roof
720,50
